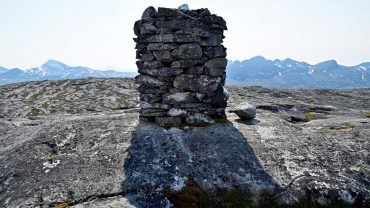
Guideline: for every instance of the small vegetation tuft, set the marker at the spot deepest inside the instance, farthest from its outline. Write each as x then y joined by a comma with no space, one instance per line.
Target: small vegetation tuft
309,116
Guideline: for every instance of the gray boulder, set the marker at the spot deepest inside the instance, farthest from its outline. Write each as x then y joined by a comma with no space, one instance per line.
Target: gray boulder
245,112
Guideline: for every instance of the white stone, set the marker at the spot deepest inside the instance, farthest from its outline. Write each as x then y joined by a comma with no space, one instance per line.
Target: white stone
179,97
50,165
177,112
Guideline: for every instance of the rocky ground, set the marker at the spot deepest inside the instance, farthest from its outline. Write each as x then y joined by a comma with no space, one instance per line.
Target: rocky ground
79,143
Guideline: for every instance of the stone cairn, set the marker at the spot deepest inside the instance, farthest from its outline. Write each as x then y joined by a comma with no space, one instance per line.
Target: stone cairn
181,66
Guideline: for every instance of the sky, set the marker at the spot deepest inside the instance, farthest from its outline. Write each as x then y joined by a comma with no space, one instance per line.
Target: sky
98,33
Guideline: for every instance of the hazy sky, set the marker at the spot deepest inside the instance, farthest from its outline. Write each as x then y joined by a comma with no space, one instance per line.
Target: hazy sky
98,33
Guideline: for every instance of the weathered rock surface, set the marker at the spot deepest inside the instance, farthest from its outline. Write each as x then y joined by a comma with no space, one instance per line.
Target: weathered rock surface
31,99
67,155
188,51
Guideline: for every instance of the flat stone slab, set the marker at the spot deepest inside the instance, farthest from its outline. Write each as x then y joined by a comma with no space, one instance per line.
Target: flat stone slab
63,158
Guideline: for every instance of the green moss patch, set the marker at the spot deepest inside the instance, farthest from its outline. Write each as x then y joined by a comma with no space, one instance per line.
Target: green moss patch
60,205
237,198
309,116
33,112
190,196
349,126
367,114
193,196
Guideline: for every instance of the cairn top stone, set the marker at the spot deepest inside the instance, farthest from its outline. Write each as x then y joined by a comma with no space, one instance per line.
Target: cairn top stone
149,13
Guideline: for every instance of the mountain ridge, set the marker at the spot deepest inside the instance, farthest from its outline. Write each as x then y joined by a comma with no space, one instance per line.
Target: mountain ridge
289,73
56,70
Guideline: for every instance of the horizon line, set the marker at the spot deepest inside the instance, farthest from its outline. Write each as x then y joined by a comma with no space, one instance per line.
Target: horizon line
134,70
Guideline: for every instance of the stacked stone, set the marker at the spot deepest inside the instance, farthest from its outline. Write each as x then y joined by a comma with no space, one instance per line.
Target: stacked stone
181,66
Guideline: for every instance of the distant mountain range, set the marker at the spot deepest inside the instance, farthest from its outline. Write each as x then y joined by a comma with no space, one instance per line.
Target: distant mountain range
256,71
55,70
289,73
